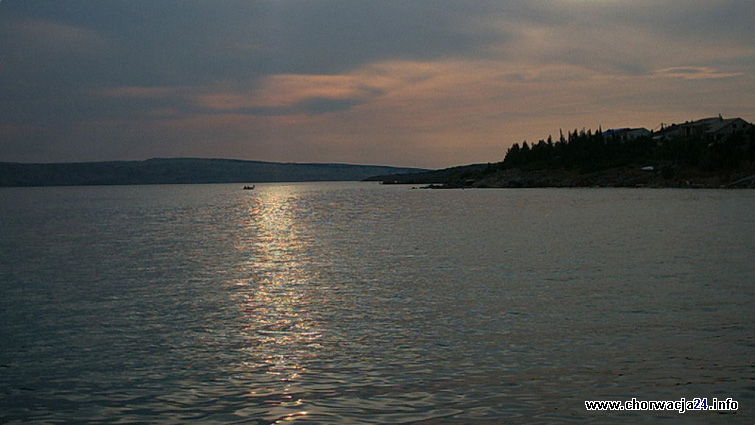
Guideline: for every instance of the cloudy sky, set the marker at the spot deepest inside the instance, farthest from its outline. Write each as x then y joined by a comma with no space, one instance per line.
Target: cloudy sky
429,83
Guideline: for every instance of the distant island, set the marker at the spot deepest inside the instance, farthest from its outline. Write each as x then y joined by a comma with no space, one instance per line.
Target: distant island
706,153
183,171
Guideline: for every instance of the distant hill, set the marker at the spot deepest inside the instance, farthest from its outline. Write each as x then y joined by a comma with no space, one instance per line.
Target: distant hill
455,174
182,171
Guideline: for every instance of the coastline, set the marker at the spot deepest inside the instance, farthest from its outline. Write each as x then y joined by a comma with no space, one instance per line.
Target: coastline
612,177
665,175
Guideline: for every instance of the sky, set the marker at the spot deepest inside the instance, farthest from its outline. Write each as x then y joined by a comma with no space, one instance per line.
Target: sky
427,83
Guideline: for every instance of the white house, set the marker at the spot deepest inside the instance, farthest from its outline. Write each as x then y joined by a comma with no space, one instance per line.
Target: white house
711,128
625,134
726,127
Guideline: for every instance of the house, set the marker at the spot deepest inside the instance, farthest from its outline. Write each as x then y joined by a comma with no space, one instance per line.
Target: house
714,128
724,128
626,134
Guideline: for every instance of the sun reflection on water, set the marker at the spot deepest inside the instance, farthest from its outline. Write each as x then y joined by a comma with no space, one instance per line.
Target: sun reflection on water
279,322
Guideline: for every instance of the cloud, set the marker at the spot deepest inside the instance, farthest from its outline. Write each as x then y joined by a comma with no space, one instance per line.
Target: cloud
291,91
138,92
42,34
424,82
195,42
695,73
41,53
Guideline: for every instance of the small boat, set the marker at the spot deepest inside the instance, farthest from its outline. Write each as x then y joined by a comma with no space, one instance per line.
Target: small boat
249,187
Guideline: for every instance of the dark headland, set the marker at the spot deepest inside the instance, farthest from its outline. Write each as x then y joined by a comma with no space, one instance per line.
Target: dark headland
707,153
182,171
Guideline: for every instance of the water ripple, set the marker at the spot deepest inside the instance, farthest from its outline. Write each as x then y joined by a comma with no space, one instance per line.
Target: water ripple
347,303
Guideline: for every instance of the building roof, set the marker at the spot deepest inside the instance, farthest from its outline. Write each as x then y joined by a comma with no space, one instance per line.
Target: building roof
716,126
623,130
705,125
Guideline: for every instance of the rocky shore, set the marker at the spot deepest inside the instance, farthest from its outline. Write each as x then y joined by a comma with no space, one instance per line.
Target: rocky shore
646,176
656,175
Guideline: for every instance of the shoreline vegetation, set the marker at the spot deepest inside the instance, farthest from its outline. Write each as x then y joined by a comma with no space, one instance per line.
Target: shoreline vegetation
707,153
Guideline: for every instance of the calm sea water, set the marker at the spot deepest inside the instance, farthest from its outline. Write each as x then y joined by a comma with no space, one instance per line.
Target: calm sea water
348,303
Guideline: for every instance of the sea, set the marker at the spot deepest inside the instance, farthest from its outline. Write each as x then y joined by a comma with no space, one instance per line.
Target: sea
361,303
